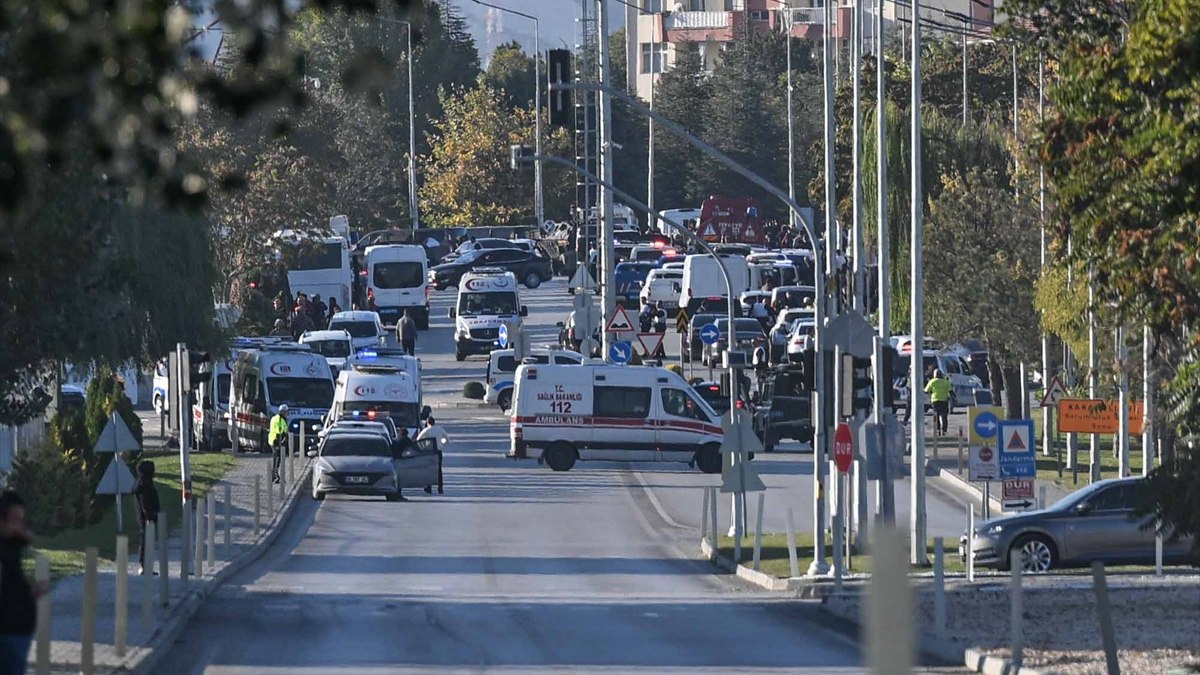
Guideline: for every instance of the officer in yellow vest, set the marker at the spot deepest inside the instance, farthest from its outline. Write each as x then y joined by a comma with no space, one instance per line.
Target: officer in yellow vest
939,395
277,436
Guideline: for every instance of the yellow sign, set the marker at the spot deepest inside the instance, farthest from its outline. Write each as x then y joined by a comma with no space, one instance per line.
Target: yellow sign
681,322
1096,416
984,424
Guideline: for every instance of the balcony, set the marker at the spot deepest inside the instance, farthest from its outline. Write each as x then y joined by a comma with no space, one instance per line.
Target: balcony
702,26
694,20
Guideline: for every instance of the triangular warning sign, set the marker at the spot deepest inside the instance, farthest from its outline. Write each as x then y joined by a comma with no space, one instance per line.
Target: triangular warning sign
619,321
1016,442
650,342
709,231
116,479
116,437
748,233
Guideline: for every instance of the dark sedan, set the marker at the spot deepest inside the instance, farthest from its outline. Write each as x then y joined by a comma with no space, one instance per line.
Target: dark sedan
528,268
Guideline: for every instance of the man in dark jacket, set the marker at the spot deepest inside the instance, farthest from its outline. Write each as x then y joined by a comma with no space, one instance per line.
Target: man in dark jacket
147,502
18,599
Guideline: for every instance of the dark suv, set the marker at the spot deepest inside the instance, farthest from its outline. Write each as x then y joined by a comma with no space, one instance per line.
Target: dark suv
784,408
529,269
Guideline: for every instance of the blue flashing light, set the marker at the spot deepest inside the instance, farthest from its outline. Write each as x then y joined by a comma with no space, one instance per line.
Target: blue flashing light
367,354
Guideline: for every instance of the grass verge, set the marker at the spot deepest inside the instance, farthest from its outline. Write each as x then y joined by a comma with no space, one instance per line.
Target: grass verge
775,554
65,550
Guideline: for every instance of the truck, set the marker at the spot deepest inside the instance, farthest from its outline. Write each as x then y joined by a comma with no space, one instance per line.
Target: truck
731,219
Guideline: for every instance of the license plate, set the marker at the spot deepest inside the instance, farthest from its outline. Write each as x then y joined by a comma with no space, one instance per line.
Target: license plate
356,479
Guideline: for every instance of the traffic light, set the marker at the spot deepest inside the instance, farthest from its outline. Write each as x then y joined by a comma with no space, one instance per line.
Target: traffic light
196,373
561,104
861,390
889,357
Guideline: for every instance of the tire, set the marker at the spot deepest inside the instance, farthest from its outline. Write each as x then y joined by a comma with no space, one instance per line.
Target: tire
1038,553
560,457
423,322
504,400
318,496
533,280
708,458
393,498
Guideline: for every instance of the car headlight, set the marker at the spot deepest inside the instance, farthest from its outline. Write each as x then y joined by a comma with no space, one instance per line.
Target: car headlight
995,529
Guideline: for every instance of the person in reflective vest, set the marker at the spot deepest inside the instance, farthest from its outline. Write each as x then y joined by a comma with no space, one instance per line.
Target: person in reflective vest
276,437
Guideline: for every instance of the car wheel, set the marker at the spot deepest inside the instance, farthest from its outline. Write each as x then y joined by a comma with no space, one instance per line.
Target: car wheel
560,457
533,280
1037,553
319,496
393,497
504,400
708,458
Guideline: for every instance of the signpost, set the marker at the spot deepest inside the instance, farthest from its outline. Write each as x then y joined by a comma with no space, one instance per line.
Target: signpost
650,342
1054,393
983,464
619,322
117,439
1017,494
709,334
1016,449
1095,416
843,448
620,352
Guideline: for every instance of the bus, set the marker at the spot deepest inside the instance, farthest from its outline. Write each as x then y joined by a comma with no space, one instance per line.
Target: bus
317,265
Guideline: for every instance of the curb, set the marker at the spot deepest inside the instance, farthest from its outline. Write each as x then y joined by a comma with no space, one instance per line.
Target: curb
146,659
931,647
804,587
989,664
966,488
454,405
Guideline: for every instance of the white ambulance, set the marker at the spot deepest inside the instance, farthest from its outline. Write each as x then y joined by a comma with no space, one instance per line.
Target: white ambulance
271,375
502,367
597,411
394,357
487,299
398,276
373,391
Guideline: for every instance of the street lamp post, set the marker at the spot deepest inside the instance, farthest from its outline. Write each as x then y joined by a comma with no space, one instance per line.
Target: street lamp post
539,207
413,209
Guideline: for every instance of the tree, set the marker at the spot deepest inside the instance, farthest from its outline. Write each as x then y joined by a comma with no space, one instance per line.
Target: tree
511,72
678,95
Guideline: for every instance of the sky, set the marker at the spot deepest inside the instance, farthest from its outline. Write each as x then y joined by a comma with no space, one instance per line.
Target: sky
557,23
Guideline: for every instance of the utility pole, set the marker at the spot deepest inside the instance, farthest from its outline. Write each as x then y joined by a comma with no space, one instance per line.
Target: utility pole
916,379
856,25
539,204
791,144
413,206
1147,401
652,223
604,222
884,496
1094,449
1046,438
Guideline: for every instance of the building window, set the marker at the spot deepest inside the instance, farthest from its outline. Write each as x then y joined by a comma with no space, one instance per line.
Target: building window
654,57
760,15
652,6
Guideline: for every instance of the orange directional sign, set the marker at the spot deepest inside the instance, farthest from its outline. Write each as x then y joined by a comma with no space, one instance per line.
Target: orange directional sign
1096,416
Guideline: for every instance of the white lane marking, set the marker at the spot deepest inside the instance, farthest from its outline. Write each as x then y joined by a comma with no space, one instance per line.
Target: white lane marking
650,615
662,512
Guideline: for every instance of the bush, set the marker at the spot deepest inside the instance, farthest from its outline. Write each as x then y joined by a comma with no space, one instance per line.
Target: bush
105,395
56,487
474,390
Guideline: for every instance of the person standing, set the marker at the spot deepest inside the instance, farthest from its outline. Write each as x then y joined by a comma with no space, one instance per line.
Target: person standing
406,333
432,430
317,310
334,308
18,598
938,389
146,496
277,435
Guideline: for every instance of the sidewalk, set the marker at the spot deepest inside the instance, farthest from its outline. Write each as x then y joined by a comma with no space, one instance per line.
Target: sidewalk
67,594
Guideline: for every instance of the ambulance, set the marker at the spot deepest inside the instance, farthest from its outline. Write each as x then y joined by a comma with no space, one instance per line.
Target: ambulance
487,299
274,374
502,365
370,391
596,411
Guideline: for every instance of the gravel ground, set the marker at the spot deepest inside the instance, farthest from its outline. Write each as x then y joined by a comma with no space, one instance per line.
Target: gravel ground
1156,620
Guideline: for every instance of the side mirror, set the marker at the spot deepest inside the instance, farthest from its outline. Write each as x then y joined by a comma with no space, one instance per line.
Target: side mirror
524,310
426,411
310,454
1083,508
451,313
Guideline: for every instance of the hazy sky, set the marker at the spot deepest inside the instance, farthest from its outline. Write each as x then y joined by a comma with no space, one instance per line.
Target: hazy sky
557,21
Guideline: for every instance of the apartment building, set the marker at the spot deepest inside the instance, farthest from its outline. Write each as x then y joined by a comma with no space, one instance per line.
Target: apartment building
656,28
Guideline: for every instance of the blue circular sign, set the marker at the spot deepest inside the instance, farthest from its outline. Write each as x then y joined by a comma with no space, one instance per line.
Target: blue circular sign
710,334
620,352
502,336
986,424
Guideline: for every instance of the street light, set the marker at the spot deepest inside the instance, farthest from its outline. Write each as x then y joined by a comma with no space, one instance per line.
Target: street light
412,131
539,208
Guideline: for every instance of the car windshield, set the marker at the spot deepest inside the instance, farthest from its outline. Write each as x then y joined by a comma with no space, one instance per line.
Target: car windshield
358,329
398,275
300,392
356,446
330,348
403,413
487,303
743,326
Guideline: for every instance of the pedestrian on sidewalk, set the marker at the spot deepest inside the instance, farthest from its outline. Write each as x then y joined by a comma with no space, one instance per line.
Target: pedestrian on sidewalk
406,333
432,430
18,598
277,435
938,389
146,496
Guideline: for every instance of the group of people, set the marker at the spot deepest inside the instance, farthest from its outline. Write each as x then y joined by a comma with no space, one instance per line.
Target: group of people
293,318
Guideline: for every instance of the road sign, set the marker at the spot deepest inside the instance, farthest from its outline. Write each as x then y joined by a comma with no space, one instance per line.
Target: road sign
619,322
710,334
1017,494
620,352
681,322
116,479
116,437
650,342
740,477
843,448
1016,449
982,464
582,279
1054,393
739,434
984,422
1094,416
502,336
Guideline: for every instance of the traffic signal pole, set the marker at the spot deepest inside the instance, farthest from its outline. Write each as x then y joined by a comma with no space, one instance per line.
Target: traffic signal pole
183,410
608,300
917,518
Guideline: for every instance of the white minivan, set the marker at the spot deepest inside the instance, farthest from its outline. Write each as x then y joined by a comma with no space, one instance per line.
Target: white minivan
702,279
398,276
365,328
597,411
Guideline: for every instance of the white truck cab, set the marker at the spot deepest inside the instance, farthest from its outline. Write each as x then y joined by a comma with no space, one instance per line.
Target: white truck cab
502,368
597,411
487,299
398,276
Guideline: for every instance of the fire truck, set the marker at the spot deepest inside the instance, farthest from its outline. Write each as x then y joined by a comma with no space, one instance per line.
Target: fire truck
731,220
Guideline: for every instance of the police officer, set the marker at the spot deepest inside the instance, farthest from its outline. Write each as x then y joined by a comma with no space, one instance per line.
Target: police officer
277,437
938,389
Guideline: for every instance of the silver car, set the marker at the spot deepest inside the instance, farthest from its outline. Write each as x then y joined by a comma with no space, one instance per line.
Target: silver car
356,464
1097,523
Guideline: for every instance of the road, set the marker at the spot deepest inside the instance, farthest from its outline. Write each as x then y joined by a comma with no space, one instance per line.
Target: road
515,568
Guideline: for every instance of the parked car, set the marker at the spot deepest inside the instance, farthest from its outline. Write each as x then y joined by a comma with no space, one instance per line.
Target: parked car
784,406
1097,523
746,335
483,243
529,269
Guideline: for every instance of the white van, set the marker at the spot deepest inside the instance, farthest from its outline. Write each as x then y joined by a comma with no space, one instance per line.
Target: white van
680,216
597,411
365,328
271,375
335,345
624,219
210,412
502,366
373,391
398,275
487,299
702,279
663,285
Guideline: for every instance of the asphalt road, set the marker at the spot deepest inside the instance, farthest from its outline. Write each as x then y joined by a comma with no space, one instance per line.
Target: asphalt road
516,568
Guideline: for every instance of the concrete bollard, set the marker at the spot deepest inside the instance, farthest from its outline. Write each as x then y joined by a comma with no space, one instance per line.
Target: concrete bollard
793,562
704,516
960,451
1016,617
758,533
285,461
210,529
164,579
227,512
41,574
888,625
291,461
712,520
149,550
87,623
257,505
1041,497
1158,554
1107,634
939,587
970,543
198,516
121,601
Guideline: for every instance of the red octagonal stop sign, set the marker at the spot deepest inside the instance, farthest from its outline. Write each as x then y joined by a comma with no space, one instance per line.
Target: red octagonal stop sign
843,448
